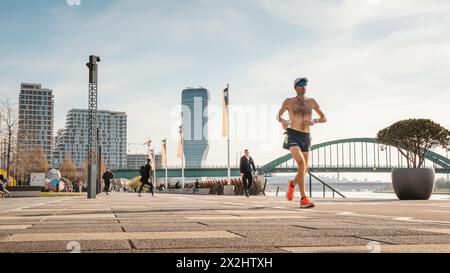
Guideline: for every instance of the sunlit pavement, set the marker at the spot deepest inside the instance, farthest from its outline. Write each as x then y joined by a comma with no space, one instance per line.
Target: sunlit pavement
197,223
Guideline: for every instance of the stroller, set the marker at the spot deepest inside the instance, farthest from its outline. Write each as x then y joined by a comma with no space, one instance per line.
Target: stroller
4,193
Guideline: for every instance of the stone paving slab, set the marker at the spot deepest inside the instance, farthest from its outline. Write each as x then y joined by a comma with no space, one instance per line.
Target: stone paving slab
57,217
250,242
43,237
232,217
302,232
185,223
300,223
429,248
411,240
214,250
62,246
54,230
169,228
64,225
12,227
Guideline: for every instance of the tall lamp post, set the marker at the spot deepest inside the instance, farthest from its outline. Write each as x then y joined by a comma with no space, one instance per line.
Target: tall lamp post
99,163
92,126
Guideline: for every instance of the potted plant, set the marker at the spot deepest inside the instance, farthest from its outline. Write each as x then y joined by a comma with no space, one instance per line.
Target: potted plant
413,138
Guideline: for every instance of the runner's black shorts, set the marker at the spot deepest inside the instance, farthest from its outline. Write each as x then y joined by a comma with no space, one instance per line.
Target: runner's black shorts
297,138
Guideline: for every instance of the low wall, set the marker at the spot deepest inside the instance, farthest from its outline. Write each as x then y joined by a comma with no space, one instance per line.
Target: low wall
24,191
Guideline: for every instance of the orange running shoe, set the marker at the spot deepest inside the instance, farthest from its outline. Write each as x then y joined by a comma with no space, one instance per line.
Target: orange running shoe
306,203
290,192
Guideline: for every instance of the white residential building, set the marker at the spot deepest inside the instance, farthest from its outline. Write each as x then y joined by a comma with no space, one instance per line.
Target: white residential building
73,139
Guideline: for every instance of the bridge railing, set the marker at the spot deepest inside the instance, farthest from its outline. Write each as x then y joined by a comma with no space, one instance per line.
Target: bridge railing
171,167
325,185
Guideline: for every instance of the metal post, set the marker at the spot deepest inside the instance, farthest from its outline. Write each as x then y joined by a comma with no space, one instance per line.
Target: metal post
446,154
386,150
337,156
228,137
378,155
362,154
350,154
310,185
92,125
182,163
390,157
331,156
165,172
367,155
99,165
374,155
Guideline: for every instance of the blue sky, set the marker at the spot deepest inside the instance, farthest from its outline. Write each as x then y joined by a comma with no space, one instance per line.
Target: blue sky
370,63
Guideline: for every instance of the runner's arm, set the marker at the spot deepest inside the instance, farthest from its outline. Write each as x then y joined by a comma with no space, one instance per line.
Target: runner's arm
322,118
283,109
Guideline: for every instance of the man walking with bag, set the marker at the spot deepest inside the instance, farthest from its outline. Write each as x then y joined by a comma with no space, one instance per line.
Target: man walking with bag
146,175
246,166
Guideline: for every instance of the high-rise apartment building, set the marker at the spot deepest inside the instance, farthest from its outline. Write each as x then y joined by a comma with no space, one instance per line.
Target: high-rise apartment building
36,108
73,139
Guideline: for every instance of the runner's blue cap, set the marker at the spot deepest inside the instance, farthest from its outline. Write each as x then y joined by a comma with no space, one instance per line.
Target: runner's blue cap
301,82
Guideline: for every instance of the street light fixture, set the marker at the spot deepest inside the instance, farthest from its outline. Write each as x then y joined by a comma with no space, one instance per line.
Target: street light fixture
92,126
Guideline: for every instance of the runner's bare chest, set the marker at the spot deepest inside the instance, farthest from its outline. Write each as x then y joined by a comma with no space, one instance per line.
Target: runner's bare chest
301,106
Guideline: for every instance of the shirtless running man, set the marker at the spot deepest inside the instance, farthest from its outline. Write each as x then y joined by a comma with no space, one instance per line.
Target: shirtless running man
298,138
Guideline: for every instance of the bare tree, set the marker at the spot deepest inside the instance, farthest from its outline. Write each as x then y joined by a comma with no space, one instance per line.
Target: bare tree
9,121
68,169
38,163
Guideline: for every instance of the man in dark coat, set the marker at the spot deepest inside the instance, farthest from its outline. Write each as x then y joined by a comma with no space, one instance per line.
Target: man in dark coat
246,166
107,176
146,175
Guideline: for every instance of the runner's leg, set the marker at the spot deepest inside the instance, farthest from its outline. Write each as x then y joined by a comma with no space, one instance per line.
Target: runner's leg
299,158
244,183
141,188
250,181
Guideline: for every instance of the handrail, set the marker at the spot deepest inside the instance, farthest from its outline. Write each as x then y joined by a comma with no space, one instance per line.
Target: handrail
325,185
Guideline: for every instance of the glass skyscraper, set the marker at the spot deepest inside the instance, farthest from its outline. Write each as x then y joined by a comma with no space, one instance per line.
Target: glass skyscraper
195,125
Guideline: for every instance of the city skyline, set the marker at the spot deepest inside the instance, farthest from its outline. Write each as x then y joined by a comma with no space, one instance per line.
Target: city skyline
371,64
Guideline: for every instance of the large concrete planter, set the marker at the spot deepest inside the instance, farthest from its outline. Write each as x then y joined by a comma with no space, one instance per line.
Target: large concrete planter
413,184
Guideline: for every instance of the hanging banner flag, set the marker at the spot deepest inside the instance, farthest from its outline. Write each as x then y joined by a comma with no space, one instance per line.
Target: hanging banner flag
180,143
149,156
164,153
225,104
152,158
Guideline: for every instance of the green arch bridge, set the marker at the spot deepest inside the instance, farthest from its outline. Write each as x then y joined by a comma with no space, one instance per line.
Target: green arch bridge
363,155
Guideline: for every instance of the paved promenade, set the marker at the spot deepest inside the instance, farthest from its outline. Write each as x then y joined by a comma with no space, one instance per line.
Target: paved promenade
185,223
